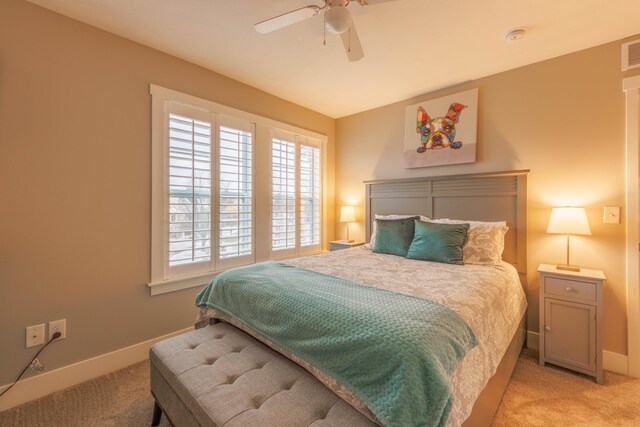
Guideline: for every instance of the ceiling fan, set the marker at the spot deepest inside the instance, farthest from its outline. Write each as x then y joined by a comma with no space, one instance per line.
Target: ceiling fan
337,20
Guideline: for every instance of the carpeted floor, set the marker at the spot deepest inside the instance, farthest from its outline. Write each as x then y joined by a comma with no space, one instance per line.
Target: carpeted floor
535,397
553,396
121,399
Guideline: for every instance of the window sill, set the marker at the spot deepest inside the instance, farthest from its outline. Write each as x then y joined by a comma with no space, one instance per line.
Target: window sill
200,280
180,283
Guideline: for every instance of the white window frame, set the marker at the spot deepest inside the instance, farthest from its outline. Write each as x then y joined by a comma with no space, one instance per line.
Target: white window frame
160,283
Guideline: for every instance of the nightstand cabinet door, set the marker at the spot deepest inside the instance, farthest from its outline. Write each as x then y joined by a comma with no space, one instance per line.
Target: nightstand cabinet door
570,333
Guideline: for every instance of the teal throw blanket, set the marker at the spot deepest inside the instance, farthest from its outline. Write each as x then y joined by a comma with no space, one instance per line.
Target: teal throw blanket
395,352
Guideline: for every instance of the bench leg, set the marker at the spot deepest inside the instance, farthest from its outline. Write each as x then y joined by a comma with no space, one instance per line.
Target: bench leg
157,414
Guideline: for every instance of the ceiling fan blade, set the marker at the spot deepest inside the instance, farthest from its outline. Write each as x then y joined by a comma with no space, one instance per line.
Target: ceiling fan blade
352,45
286,19
370,2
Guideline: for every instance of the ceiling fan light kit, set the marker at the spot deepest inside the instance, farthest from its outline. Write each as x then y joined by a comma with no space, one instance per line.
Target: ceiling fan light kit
337,20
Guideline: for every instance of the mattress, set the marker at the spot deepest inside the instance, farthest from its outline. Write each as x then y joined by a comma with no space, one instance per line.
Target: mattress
489,298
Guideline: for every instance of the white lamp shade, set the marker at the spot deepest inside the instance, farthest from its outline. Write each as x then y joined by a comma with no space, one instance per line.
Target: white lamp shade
568,221
347,214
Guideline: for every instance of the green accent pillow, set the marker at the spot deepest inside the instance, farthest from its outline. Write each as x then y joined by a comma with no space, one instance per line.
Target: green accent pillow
394,236
438,242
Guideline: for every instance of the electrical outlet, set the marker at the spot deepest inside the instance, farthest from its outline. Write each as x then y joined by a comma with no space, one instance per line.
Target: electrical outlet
58,326
35,335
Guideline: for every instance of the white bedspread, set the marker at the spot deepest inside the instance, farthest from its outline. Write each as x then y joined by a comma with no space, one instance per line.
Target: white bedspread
489,298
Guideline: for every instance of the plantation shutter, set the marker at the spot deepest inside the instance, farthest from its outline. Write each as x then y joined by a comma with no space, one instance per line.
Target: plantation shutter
188,210
284,192
296,199
310,196
235,185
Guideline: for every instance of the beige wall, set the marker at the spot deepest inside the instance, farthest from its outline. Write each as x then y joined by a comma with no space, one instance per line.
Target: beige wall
75,156
563,119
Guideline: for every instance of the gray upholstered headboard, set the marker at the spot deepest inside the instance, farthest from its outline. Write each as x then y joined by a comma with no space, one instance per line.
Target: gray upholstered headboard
496,196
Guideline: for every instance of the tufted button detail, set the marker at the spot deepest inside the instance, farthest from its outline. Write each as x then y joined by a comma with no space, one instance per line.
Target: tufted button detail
257,402
261,365
211,361
320,415
232,379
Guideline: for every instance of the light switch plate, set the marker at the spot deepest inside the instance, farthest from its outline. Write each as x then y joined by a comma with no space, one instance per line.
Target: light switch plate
611,215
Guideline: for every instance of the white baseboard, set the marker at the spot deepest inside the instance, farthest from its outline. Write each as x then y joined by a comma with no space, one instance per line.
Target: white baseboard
614,362
61,378
67,376
533,340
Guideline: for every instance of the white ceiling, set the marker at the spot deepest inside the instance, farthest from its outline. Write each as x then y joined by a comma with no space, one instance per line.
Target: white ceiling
411,46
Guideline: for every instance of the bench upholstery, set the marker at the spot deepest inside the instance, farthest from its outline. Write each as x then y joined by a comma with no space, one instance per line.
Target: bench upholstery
221,376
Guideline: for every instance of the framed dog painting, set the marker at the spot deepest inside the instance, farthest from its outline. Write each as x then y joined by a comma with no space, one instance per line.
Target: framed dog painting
441,131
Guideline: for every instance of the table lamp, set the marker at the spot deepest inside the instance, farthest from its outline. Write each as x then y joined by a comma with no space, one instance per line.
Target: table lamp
347,214
568,221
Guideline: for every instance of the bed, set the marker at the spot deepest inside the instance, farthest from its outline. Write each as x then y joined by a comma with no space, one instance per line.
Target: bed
489,300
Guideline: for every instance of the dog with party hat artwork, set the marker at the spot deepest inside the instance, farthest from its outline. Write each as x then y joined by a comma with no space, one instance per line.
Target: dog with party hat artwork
441,140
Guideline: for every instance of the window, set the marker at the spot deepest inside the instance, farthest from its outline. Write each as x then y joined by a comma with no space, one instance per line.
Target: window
208,151
208,211
295,195
229,188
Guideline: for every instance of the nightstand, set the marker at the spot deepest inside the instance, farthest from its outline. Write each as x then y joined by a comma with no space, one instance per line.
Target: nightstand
571,319
337,245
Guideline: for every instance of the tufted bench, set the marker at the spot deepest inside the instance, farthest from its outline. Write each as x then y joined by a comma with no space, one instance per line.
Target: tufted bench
221,376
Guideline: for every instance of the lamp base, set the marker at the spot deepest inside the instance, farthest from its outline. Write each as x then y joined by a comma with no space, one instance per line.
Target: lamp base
568,267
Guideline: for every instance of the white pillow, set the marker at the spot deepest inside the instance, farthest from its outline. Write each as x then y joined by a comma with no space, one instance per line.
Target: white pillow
485,241
389,217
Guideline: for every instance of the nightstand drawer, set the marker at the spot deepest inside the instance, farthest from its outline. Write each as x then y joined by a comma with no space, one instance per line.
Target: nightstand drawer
570,288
